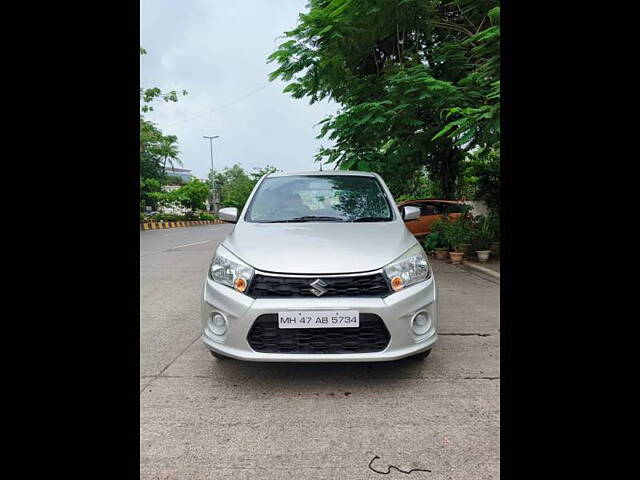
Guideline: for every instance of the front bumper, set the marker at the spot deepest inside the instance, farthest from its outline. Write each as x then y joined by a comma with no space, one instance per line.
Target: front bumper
396,311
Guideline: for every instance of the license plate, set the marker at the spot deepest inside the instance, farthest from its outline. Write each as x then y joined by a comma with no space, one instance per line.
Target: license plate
319,319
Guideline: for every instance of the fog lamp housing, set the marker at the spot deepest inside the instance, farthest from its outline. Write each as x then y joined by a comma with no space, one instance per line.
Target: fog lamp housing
421,323
218,323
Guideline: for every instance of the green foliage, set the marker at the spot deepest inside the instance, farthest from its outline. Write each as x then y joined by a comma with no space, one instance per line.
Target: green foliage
479,121
156,150
206,216
493,220
440,230
148,95
452,232
434,240
483,173
482,233
192,195
234,185
417,82
150,193
168,217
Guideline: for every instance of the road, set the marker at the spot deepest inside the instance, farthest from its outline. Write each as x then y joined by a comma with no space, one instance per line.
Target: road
206,419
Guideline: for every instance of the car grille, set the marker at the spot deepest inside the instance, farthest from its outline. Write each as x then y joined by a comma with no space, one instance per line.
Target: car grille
263,286
371,336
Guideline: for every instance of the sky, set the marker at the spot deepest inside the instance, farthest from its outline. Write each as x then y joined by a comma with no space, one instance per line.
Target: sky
217,51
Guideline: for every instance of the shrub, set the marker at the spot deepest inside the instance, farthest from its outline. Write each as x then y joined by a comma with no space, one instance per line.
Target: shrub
482,234
440,229
433,241
494,222
453,233
206,216
165,217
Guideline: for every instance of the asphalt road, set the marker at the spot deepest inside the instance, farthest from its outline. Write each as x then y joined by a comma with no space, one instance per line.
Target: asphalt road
206,419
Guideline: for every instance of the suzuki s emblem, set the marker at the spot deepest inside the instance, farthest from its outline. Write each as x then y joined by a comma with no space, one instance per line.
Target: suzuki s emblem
317,287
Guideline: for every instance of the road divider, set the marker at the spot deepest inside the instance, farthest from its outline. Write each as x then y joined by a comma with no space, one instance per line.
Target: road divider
190,223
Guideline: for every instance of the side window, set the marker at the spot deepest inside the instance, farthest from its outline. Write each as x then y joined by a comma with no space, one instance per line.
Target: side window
453,208
429,209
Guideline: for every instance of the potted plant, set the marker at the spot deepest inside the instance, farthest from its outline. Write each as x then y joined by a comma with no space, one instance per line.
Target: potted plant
494,222
436,241
457,234
482,235
465,224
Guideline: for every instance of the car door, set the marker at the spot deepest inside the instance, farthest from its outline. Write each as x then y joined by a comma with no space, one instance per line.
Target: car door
451,209
429,213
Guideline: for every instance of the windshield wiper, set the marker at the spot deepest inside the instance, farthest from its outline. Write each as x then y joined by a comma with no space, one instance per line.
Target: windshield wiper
313,218
372,219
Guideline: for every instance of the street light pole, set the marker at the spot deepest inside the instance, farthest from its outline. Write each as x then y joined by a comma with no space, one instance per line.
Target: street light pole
213,197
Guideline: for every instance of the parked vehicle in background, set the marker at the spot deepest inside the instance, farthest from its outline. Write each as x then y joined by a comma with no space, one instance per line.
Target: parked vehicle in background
430,211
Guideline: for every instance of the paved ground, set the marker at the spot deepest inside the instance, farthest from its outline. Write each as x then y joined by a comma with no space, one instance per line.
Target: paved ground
492,264
207,419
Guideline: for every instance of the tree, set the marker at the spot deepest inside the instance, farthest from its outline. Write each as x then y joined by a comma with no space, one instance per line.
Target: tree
235,185
167,150
148,95
192,195
156,149
483,173
412,78
150,193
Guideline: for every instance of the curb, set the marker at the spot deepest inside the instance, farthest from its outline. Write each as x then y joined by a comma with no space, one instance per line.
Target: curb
191,223
480,269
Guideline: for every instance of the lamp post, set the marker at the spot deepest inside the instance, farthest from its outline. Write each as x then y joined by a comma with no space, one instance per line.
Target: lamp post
213,197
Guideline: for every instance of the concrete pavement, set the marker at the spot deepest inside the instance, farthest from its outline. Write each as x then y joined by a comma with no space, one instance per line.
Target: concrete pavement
207,419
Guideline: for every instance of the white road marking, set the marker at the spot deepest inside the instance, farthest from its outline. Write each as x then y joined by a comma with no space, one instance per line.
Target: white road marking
189,244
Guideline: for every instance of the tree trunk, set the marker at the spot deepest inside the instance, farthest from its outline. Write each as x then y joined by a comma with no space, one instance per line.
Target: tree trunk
449,172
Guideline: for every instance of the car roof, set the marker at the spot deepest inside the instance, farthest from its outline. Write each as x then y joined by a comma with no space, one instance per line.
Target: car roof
323,173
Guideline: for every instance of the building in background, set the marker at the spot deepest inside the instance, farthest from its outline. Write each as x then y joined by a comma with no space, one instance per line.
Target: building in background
183,174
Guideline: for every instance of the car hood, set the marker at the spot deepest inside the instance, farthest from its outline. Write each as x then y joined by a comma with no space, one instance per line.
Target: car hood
320,247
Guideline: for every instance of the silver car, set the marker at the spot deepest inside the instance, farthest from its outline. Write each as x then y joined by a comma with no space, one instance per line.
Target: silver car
320,267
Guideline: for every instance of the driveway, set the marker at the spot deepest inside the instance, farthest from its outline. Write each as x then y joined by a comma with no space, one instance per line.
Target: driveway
206,419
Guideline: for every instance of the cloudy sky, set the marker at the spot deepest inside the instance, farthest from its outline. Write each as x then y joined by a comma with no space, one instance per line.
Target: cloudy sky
217,50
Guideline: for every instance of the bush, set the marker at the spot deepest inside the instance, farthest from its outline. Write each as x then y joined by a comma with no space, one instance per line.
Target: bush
191,196
452,232
206,216
482,233
168,217
494,223
434,241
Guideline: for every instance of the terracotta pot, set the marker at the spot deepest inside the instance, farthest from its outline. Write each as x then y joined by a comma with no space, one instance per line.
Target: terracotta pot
441,254
456,257
483,255
495,249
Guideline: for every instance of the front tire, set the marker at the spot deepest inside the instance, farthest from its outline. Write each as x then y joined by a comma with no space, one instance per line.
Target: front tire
217,356
421,355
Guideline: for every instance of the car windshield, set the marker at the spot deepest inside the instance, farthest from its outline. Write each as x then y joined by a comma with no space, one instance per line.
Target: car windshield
316,198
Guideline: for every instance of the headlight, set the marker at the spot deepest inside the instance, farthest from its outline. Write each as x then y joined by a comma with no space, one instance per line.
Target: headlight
410,268
229,270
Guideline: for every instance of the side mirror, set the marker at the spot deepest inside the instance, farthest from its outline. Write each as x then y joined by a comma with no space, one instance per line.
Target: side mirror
410,213
229,214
